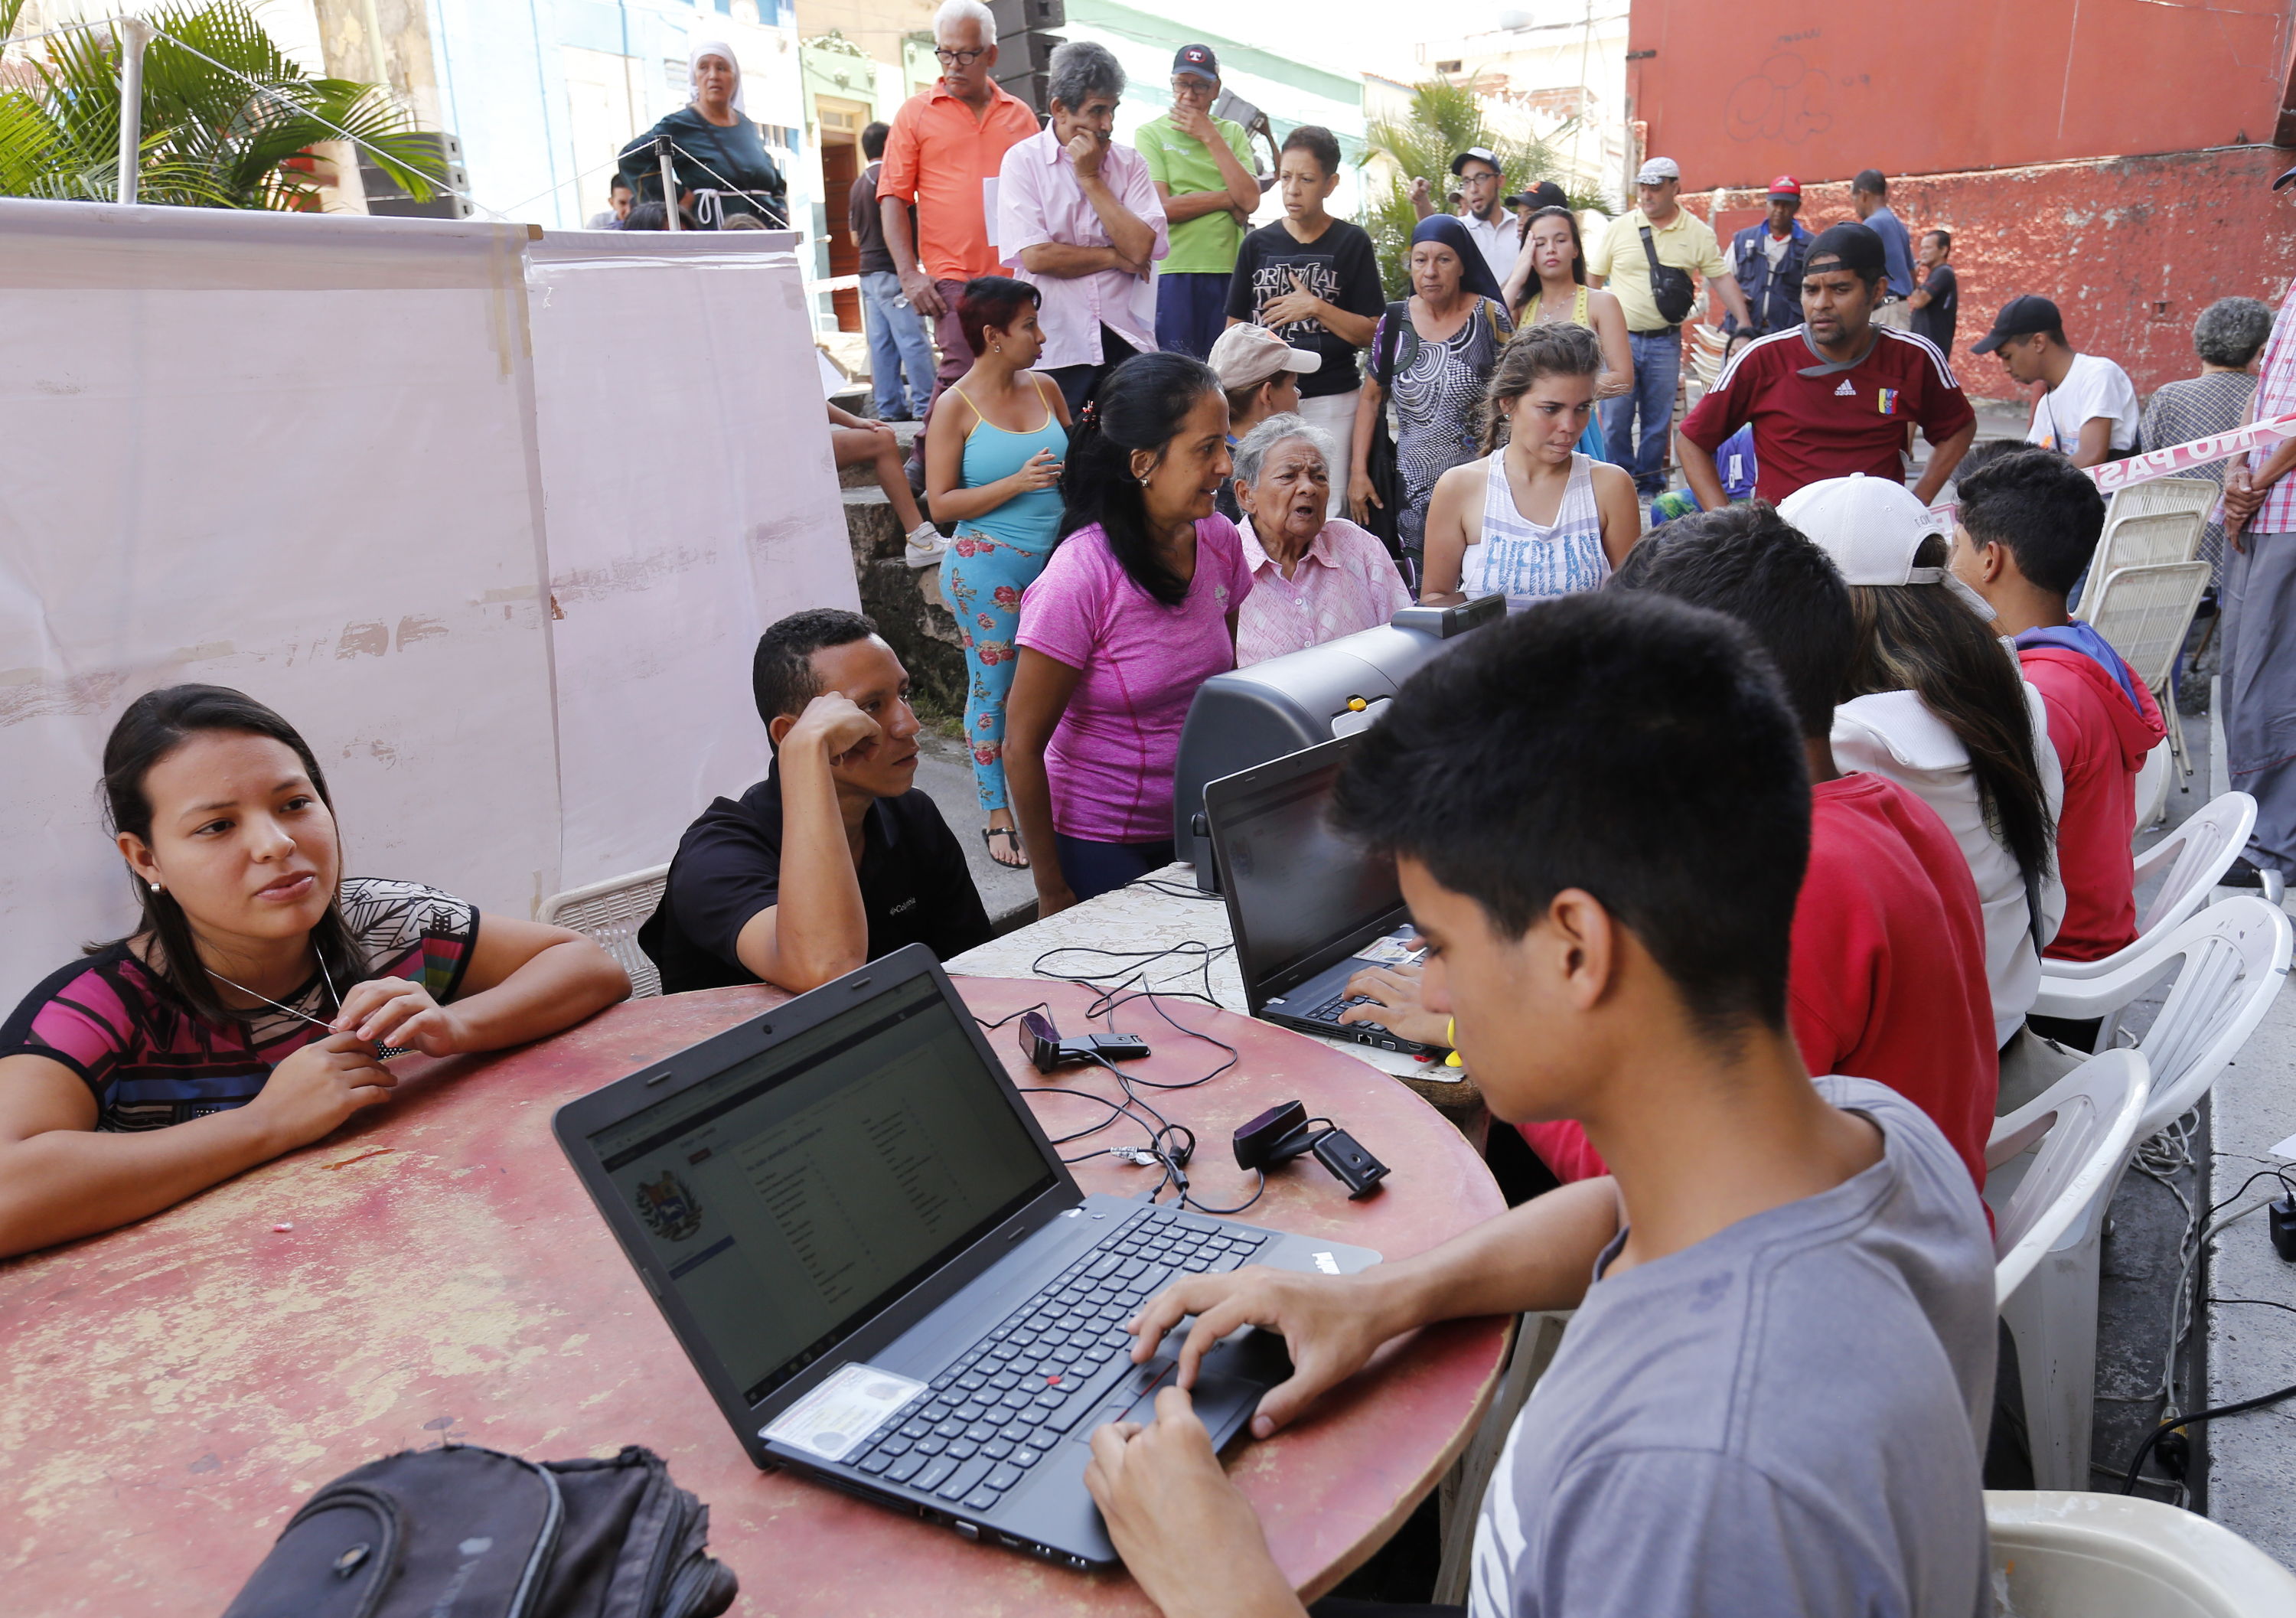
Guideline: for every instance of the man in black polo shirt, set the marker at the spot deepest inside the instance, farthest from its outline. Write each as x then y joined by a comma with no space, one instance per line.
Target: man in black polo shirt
835,857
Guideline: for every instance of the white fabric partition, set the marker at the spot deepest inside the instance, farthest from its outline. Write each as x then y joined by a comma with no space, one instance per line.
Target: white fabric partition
690,501
291,455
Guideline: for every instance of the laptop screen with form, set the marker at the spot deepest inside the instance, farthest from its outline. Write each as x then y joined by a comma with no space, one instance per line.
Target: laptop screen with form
1298,885
794,1196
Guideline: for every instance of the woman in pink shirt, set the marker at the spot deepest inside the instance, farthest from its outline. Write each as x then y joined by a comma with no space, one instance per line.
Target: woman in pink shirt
1136,608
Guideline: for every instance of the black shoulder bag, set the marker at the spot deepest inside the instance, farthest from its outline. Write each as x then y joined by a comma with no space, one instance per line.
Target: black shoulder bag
1380,464
1670,288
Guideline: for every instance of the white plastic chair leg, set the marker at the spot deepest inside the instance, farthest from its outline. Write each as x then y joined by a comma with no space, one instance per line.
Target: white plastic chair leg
2052,1317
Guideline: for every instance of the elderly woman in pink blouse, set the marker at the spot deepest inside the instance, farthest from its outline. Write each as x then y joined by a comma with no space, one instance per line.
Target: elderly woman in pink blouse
1313,579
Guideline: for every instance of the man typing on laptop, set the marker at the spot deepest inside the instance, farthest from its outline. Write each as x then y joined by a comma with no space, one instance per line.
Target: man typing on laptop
1601,815
834,859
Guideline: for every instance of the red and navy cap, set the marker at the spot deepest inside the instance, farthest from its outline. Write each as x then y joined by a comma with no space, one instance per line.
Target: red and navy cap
1785,188
1197,60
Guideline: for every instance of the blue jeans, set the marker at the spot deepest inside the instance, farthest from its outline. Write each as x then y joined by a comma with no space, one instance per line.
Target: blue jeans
897,344
1658,370
1191,311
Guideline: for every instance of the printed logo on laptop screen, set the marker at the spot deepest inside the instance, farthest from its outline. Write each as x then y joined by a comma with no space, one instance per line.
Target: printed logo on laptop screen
668,1207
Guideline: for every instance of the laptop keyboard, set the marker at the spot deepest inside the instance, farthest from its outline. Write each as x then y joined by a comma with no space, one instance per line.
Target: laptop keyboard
1330,1010
1001,1406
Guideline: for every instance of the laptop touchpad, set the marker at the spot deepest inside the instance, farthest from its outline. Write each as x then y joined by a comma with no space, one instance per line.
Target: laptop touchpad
1229,1382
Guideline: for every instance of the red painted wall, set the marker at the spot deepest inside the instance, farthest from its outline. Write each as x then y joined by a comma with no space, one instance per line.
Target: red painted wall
2131,249
1737,93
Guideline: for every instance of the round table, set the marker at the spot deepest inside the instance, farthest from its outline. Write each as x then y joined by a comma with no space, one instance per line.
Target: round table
175,1390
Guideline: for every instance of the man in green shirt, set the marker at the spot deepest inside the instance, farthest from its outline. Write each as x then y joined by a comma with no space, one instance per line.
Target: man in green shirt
1200,165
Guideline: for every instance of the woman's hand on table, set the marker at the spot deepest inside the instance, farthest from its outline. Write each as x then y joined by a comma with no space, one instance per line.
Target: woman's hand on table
314,1089
1184,1531
395,1011
1054,898
1395,1005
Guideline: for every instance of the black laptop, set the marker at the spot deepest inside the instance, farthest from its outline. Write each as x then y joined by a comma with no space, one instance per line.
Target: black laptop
883,1271
1308,908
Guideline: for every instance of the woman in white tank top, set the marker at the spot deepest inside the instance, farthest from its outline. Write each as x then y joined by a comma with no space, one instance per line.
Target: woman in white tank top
1536,519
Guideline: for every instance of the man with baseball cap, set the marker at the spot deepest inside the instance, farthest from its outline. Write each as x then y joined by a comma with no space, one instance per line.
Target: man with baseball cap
1767,259
1832,396
1651,251
1482,209
2088,406
1202,168
2258,599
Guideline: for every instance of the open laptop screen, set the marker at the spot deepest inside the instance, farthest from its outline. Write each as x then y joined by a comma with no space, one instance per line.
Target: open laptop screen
1298,886
794,1196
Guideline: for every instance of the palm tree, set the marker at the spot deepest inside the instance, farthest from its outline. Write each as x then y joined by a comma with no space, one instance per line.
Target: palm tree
1444,119
225,116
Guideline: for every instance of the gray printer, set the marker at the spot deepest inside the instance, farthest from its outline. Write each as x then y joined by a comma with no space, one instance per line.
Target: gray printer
1248,715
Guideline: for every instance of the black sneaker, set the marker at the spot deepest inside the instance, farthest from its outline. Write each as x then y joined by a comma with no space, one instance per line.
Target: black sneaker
2242,873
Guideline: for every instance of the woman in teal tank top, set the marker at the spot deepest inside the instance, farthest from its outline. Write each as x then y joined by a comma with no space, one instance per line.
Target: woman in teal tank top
993,456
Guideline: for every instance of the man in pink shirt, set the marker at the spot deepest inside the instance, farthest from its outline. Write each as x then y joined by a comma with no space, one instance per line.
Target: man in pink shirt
1079,216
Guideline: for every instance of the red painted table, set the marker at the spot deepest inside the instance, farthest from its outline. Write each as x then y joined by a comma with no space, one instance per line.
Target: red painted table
170,1393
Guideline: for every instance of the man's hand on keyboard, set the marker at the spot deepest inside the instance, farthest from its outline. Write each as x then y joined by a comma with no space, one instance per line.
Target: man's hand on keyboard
1392,1002
1331,1325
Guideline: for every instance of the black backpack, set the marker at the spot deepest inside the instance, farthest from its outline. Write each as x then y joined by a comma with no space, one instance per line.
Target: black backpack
480,1534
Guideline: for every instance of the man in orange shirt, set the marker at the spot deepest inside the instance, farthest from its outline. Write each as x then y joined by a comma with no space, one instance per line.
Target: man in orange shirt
948,144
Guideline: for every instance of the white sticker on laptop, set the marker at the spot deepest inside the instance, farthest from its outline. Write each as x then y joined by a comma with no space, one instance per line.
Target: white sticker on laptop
833,1419
1388,951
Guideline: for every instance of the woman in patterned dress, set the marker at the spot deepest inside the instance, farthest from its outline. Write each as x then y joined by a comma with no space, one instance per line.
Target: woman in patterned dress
254,1006
1534,519
1433,352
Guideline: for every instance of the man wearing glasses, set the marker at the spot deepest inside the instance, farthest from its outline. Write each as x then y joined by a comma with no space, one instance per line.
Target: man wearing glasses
943,155
1202,168
1481,209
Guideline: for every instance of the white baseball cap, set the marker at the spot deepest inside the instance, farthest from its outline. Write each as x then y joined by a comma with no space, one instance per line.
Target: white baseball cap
1246,355
1872,528
1656,170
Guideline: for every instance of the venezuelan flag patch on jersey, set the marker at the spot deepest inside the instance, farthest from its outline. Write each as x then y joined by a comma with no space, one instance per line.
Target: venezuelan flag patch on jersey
1889,401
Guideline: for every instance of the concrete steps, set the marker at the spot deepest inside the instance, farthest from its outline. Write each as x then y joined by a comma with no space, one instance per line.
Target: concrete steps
906,602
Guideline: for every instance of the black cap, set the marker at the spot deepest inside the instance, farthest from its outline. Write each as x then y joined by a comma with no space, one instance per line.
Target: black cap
1484,153
1546,193
2021,316
1196,61
1850,247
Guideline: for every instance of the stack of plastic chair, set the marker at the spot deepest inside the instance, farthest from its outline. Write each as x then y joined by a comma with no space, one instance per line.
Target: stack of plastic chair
2143,587
2051,1168
609,914
2067,1555
2145,611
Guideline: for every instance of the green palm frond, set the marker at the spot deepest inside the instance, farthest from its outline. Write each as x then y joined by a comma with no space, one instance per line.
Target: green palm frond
224,113
1444,119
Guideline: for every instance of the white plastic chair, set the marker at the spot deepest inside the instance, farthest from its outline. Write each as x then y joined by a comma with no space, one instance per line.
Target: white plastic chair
2069,1555
609,913
1536,1337
2051,1168
2194,856
2230,960
2158,521
2197,496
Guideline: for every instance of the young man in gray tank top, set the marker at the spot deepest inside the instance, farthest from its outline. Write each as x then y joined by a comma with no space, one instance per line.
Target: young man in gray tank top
1773,1396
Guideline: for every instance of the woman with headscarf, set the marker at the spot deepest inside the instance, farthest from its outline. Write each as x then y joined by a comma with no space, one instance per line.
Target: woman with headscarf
1434,352
721,161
